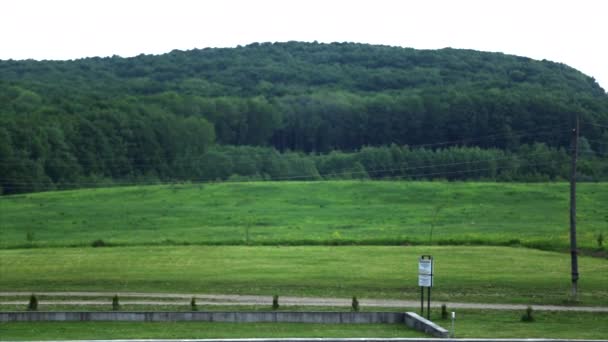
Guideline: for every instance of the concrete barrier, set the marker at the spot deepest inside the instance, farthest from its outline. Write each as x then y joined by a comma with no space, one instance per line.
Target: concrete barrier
420,323
251,317
411,319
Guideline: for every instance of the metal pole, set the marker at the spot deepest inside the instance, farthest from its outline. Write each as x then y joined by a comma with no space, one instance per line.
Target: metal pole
573,249
453,319
428,304
421,301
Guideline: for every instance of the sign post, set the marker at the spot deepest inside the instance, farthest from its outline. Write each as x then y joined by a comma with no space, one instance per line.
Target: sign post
425,279
453,329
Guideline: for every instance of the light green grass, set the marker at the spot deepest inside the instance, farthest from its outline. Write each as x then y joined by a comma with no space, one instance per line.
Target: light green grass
508,324
535,215
469,324
463,273
191,330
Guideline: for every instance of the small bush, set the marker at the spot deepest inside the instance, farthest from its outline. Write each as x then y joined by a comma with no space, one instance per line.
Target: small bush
514,242
528,317
33,304
98,243
600,239
355,304
29,236
193,304
444,311
275,302
115,303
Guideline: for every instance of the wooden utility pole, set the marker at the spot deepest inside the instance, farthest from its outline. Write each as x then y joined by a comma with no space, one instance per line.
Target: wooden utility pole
573,249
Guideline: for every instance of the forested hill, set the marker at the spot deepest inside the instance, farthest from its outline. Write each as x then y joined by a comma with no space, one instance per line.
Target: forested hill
120,118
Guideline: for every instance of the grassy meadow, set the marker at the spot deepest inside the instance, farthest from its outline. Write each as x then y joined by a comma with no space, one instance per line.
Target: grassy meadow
326,239
463,273
307,213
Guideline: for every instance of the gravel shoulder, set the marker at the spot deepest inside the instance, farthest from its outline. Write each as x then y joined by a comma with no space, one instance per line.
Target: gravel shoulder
140,298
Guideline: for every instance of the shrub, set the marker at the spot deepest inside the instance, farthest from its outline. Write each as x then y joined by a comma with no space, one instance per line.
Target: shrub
193,304
444,311
275,302
600,239
29,236
115,303
528,317
33,304
98,243
355,304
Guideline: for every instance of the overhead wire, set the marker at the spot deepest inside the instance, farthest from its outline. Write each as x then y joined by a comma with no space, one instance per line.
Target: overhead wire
290,156
324,176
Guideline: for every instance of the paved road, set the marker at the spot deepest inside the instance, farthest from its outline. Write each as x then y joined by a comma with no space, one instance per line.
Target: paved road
141,298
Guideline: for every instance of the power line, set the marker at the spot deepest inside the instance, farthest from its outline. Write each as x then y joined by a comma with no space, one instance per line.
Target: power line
328,175
290,156
597,125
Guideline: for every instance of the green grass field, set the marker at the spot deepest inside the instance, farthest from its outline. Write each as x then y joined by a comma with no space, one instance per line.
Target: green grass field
194,330
300,213
484,274
508,324
176,239
469,324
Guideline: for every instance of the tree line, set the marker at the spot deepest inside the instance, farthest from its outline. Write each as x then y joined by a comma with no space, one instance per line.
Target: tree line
315,111
529,163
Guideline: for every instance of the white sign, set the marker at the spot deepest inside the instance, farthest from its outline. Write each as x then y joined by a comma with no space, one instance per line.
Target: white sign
425,266
425,280
425,272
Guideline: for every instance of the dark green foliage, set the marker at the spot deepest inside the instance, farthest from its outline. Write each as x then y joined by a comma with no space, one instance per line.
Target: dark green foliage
444,312
98,243
528,316
355,304
275,302
29,236
115,303
600,239
33,303
149,119
193,306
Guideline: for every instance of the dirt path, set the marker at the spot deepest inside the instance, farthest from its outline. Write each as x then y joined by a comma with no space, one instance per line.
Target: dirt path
140,298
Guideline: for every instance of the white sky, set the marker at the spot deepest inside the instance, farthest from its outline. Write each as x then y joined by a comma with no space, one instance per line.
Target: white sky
572,32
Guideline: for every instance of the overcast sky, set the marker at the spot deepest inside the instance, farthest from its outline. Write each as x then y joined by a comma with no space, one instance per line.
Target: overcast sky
571,32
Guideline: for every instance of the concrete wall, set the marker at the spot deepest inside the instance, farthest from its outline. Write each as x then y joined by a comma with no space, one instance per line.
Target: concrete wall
291,317
419,323
411,319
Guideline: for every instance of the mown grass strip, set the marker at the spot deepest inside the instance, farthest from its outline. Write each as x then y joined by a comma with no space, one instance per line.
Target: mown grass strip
191,330
469,324
473,274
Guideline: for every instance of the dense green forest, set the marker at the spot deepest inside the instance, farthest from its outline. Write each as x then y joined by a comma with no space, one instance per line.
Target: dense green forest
295,111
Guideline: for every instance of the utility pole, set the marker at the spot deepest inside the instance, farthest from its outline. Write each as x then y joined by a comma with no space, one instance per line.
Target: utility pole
573,249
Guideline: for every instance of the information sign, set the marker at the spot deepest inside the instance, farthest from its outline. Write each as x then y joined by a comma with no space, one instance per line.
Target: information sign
425,280
425,272
425,266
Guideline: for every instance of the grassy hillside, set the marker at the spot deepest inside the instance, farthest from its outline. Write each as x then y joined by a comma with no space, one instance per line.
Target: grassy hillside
298,213
69,124
483,274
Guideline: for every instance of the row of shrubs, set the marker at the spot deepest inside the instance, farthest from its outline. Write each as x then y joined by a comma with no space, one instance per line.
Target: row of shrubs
355,307
33,303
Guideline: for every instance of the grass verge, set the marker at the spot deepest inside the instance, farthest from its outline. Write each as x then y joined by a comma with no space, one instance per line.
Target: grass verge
469,324
547,324
191,330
